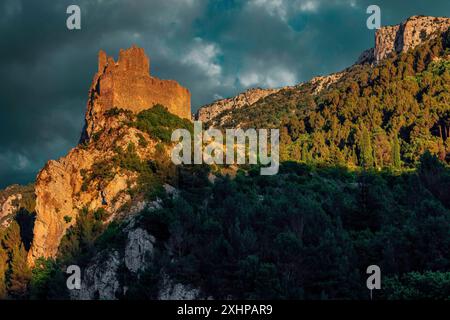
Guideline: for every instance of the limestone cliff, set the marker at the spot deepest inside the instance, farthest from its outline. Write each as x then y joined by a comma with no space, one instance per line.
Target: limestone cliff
389,39
66,186
220,111
322,82
208,112
402,37
102,279
12,199
63,187
8,203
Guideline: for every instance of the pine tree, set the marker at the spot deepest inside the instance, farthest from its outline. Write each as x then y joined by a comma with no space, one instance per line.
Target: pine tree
366,152
354,156
19,274
305,153
3,269
396,153
286,143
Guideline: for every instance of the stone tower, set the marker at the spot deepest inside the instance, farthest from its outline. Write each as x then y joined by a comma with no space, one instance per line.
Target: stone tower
127,84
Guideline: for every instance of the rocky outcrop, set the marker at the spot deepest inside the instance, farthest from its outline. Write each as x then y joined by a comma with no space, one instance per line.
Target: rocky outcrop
9,205
100,280
139,246
177,291
63,187
12,199
323,82
127,84
247,98
385,40
402,37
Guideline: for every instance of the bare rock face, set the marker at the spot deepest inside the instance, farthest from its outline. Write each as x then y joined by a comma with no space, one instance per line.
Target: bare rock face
402,37
177,291
54,200
139,246
385,39
12,199
322,82
9,206
100,280
127,84
247,98
61,189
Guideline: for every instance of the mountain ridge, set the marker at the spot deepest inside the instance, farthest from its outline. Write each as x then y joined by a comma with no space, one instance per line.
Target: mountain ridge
388,40
402,37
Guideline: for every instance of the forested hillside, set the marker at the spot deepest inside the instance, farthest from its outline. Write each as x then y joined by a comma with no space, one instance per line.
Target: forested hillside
307,233
383,116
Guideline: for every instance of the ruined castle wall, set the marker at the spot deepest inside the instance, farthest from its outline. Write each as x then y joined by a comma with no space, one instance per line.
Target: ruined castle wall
127,84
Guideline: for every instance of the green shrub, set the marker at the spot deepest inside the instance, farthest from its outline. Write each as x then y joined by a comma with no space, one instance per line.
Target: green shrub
114,112
129,159
101,214
96,135
159,123
142,142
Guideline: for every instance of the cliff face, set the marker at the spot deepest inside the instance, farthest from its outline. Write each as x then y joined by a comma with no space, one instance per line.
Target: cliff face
14,198
402,37
127,84
208,112
101,279
63,187
323,82
66,186
8,204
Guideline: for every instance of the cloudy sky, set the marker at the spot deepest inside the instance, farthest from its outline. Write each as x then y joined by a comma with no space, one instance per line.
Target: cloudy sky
216,48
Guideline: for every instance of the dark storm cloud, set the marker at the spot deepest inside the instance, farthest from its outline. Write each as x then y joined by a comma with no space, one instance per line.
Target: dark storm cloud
215,48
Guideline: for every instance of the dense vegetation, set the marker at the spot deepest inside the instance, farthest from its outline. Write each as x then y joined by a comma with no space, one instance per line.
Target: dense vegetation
307,233
159,123
383,116
310,233
15,238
